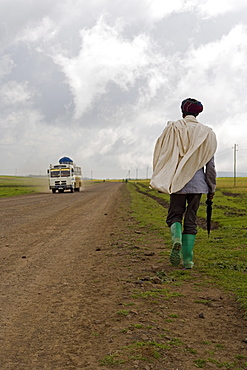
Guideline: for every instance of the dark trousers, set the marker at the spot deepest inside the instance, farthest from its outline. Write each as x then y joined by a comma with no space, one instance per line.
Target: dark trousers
184,206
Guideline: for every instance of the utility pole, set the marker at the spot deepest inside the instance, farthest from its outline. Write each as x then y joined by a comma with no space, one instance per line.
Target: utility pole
235,163
137,174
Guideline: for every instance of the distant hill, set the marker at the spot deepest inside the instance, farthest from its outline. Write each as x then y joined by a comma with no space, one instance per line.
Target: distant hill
230,174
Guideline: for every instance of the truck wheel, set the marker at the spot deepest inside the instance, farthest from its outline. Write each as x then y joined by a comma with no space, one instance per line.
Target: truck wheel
53,191
72,190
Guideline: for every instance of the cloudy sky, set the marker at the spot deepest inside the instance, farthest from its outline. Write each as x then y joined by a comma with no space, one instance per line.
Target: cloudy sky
98,80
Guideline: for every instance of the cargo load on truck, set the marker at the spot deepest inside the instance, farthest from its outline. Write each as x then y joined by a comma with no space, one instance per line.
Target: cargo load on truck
65,176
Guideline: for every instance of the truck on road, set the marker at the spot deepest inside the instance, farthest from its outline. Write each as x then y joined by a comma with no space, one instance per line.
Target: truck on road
65,176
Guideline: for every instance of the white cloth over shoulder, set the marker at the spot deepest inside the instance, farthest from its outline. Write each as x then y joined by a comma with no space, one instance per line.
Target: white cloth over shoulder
184,147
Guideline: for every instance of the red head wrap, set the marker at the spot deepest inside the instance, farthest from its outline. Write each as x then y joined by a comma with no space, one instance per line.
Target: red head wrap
191,106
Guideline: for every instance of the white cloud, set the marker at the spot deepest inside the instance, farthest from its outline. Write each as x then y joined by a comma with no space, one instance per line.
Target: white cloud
12,93
212,8
6,65
159,9
218,70
105,56
103,142
43,31
232,131
19,128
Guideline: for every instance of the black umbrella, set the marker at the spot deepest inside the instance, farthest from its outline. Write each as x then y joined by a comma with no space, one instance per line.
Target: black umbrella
209,214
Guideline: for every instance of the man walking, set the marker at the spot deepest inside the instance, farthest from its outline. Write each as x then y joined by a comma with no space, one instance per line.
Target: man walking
183,166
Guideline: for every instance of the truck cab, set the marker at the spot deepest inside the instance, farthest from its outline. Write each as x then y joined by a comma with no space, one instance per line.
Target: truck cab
65,176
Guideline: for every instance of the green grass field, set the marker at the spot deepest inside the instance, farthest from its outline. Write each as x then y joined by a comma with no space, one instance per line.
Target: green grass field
17,185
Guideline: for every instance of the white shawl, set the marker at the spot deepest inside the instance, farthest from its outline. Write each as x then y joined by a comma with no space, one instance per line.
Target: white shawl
184,147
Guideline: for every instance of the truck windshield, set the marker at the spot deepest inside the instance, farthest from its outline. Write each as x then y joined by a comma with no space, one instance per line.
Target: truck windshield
55,173
65,173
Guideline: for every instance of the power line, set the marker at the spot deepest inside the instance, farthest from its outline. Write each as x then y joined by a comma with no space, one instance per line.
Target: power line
242,147
223,152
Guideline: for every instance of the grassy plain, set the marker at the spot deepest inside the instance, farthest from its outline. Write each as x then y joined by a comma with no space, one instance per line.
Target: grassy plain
17,185
221,256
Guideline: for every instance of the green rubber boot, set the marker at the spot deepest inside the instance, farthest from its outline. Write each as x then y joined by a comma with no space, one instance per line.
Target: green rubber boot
188,241
176,232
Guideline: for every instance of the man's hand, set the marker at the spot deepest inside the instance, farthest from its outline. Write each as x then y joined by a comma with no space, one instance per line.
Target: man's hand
210,196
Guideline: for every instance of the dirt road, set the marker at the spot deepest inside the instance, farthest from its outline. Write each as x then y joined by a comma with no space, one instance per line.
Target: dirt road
49,260
68,268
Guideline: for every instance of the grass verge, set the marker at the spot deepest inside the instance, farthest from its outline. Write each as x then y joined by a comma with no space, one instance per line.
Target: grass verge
222,256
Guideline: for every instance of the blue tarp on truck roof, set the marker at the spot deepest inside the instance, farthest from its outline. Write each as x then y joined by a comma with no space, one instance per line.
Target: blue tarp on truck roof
65,160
